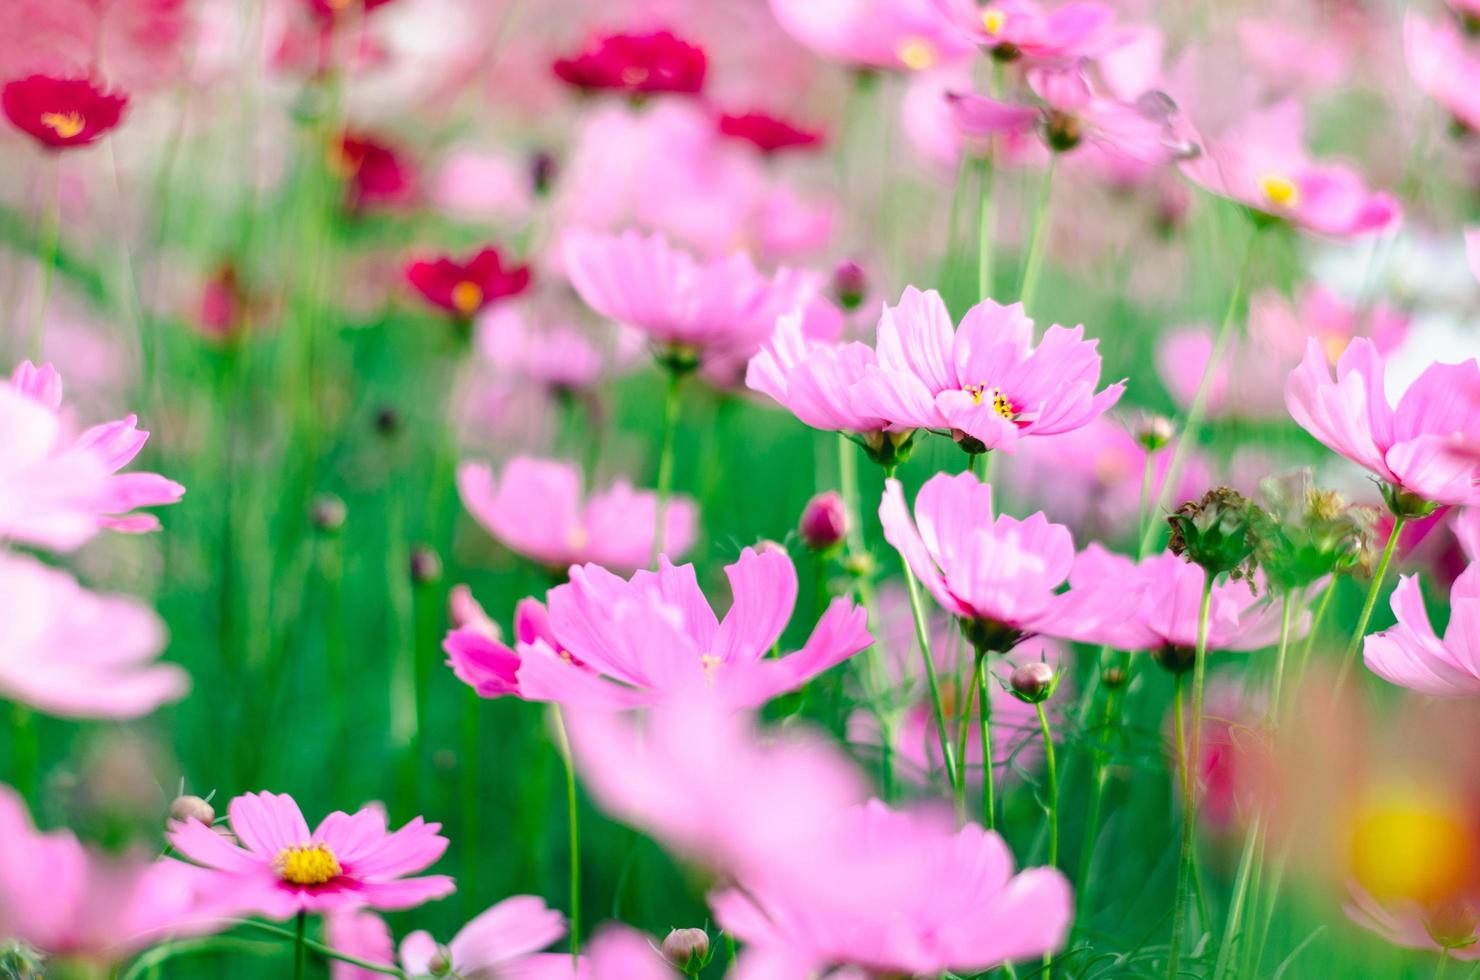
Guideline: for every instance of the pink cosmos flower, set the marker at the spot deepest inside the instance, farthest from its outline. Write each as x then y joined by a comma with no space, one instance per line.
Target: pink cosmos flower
985,382
480,659
537,509
557,354
613,643
1444,67
282,868
1242,617
688,308
58,488
922,898
1411,655
896,35
1261,162
1014,29
79,654
767,133
67,901
1249,382
502,941
1001,575
1410,925
1409,447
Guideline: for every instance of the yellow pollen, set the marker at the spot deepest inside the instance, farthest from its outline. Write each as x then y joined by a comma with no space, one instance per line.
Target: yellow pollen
306,864
1280,190
994,19
916,53
1411,843
467,297
1002,406
64,124
1334,346
710,663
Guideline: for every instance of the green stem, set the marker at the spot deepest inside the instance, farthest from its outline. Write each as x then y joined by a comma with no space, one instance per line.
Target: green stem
1236,903
1033,266
984,721
1443,965
319,948
149,962
963,733
1191,745
1315,628
51,233
1367,605
665,459
1287,616
472,839
300,951
573,827
1053,810
27,752
986,226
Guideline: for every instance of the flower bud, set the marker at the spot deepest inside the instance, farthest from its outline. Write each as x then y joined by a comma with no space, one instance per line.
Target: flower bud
1114,678
189,807
426,567
440,965
1062,131
541,172
1033,682
824,521
1405,503
387,421
327,512
850,285
766,546
1153,432
686,949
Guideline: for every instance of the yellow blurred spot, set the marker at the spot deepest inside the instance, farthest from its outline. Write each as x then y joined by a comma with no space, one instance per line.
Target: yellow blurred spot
994,19
1334,346
306,864
64,124
467,297
1411,843
1280,190
577,539
916,53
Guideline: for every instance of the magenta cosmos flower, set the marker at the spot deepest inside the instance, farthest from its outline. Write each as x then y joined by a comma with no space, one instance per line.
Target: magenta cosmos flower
72,903
986,383
79,654
61,113
1000,575
921,898
690,309
465,287
636,64
895,35
537,509
58,487
1014,29
1444,67
1411,447
1261,162
502,941
767,133
281,868
1411,655
615,643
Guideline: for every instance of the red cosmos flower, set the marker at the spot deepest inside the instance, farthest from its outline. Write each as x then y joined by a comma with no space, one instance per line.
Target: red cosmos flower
464,288
329,10
770,134
637,64
374,172
61,112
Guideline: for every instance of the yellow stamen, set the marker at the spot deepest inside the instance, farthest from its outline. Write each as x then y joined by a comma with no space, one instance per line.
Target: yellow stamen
710,663
306,864
916,53
994,19
1002,406
1280,190
64,124
467,297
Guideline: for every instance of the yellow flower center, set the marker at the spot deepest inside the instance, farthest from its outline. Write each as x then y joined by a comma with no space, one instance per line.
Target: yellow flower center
994,19
1334,346
711,663
306,864
1280,190
1001,404
1411,844
64,124
916,53
467,297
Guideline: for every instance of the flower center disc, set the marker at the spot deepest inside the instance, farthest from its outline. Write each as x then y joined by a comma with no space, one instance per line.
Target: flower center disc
306,864
64,124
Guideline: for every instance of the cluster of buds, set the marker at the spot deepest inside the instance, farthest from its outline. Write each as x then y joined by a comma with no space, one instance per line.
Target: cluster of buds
1216,532
1303,533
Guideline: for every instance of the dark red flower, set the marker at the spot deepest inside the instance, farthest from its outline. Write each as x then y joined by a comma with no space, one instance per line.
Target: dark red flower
329,10
61,112
464,288
375,174
770,134
637,64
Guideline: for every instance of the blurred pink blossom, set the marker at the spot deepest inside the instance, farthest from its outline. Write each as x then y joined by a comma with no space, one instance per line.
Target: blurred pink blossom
1411,655
899,35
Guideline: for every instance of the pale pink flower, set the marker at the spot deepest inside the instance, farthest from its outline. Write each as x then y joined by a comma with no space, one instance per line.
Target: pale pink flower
1411,655
621,643
1014,29
482,185
537,509
1444,67
1409,924
814,379
59,487
985,382
1410,446
920,898
616,953
1001,575
898,35
73,653
281,868
67,901
1262,162
502,941
1294,57
686,306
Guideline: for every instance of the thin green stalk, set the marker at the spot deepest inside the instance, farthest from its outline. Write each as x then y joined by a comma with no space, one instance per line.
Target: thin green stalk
331,573
573,827
1033,266
986,227
1287,616
1315,628
149,962
1197,411
1367,605
1190,743
984,724
665,459
1443,965
300,951
319,948
1053,809
963,733
51,233
1236,903
472,839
